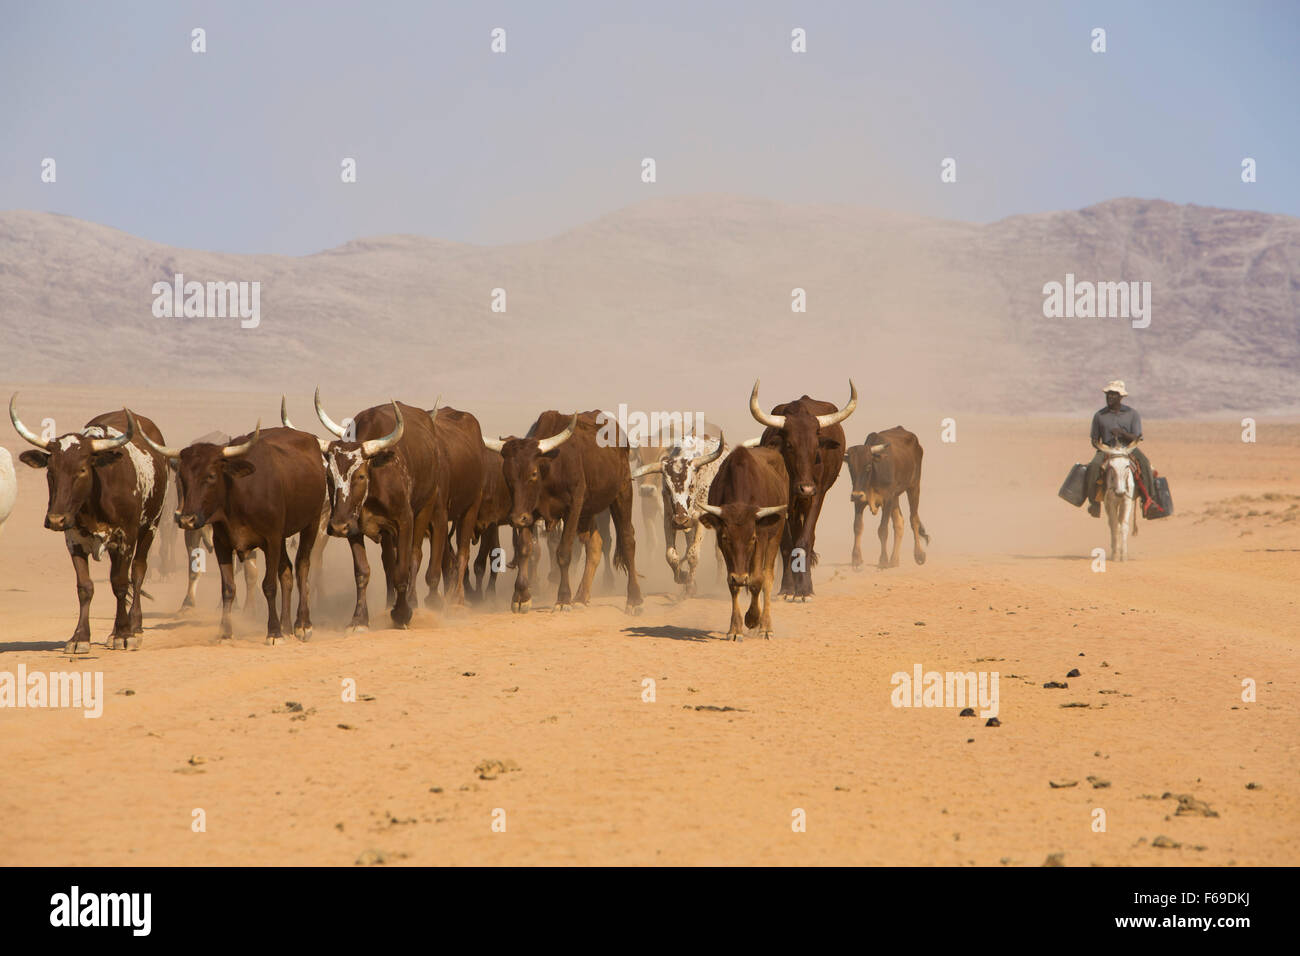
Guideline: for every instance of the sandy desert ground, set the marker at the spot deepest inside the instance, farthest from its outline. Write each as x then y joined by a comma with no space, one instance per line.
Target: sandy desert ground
542,715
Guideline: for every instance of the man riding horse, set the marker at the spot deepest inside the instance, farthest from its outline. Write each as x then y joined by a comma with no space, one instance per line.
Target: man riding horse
1115,425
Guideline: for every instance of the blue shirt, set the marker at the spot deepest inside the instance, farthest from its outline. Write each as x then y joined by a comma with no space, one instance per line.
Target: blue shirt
1105,422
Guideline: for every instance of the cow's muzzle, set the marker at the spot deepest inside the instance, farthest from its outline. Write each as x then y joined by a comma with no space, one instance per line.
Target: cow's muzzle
806,490
342,529
858,496
521,520
738,580
58,522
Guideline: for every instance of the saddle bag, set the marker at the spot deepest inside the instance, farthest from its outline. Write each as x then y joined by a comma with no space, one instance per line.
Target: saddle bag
1162,503
1074,489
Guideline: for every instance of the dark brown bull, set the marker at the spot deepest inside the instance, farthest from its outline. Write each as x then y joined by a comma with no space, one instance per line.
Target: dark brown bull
882,468
493,512
559,472
395,477
747,507
106,493
808,435
256,492
458,446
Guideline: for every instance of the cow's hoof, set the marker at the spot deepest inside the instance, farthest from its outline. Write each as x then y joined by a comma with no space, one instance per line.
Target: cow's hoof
75,646
521,607
274,640
563,607
357,629
132,643
920,558
116,643
766,634
302,633
636,610
735,636
857,567
186,609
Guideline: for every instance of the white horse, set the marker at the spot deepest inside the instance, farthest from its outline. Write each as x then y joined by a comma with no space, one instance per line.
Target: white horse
1120,497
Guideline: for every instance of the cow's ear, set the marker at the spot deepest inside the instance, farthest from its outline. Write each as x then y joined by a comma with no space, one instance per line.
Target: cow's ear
709,521
239,467
768,520
383,458
35,459
101,458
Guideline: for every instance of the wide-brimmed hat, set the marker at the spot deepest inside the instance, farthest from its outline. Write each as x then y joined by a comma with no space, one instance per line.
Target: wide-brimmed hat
1116,386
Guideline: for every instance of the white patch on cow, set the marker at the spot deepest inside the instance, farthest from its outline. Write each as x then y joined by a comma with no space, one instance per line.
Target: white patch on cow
344,481
140,460
67,441
8,485
92,544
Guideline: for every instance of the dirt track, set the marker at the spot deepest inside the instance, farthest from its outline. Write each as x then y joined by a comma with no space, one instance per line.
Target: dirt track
1162,643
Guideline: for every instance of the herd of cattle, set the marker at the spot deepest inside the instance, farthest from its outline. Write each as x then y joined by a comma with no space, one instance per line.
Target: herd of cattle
398,473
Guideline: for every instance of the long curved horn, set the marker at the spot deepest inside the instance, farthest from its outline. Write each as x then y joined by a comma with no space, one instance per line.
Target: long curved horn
235,451
712,456
760,416
711,509
834,418
772,510
752,442
325,420
496,444
165,450
655,467
375,445
26,433
877,449
104,444
284,414
555,441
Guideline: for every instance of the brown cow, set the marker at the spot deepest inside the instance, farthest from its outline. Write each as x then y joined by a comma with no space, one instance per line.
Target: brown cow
560,472
882,468
256,492
807,432
106,493
394,477
747,506
459,448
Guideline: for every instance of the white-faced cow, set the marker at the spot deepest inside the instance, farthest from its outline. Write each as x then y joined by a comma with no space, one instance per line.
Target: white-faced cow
106,494
8,486
256,492
686,471
747,507
808,435
887,464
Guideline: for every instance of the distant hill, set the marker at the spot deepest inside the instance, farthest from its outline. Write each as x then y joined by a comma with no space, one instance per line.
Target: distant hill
682,302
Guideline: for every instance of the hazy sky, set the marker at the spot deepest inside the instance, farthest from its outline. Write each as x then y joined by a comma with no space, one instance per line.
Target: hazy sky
239,149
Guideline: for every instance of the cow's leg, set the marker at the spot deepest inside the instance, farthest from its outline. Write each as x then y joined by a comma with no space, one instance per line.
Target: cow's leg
526,546
119,576
193,543
858,508
554,532
736,629
918,528
694,534
464,534
275,553
564,551
625,548
482,560
896,517
138,568
388,558
361,573
302,569
670,544
495,553
787,549
603,525
439,553
401,614
79,643
882,532
803,583
286,586
649,496
250,580
226,562
593,544
769,573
